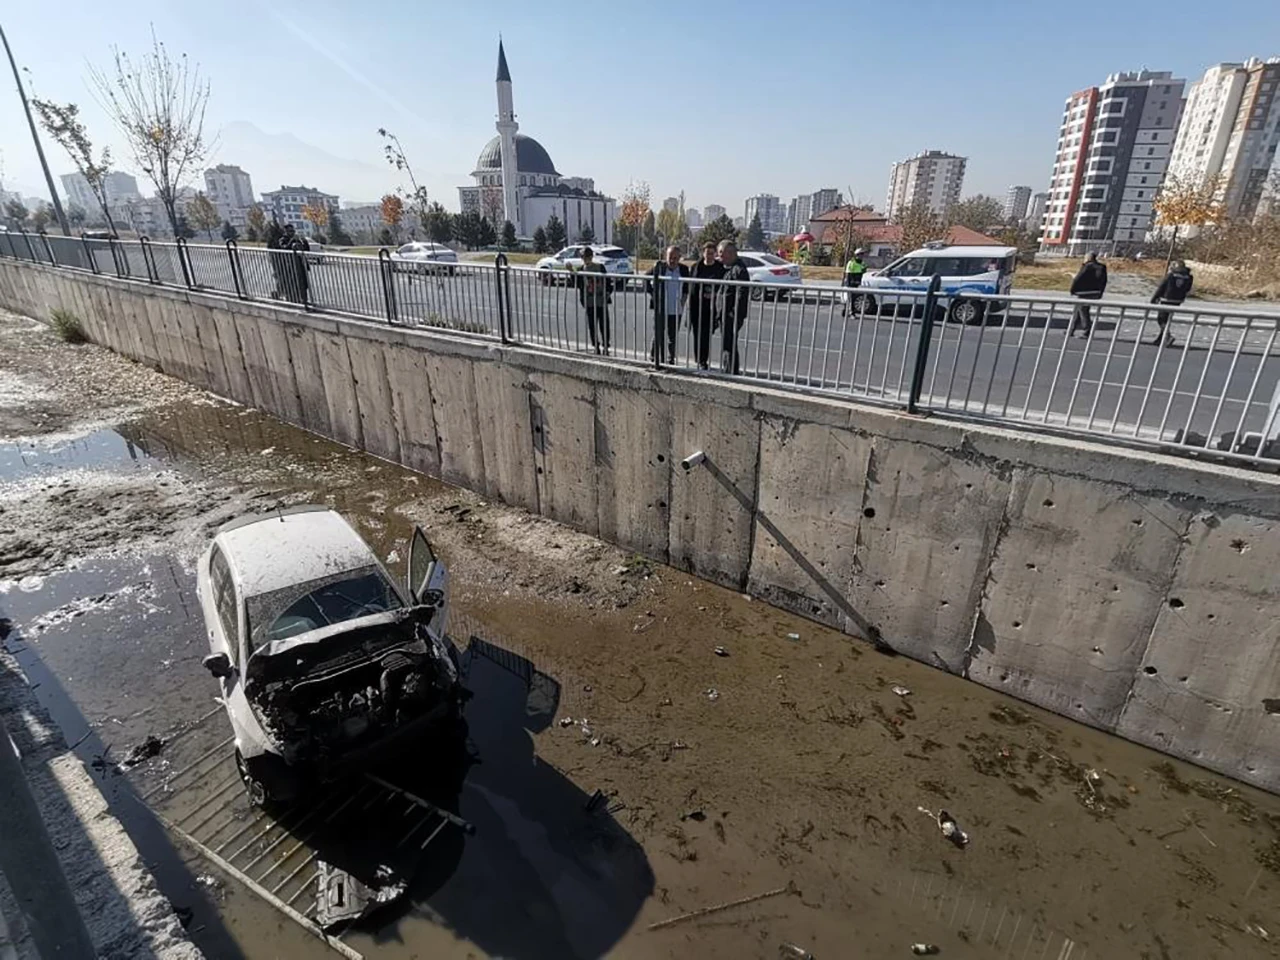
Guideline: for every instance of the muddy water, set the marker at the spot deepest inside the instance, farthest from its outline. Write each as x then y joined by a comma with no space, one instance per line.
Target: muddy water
791,760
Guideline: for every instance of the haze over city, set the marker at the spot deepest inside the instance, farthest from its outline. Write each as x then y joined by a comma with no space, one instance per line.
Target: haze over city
722,104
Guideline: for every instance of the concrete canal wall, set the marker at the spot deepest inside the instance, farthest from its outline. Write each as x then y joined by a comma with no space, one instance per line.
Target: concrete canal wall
1133,592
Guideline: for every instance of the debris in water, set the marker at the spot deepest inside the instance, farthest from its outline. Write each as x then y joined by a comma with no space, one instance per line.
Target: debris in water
697,816
721,652
924,949
793,636
789,888
790,951
711,693
143,751
566,721
341,898
900,690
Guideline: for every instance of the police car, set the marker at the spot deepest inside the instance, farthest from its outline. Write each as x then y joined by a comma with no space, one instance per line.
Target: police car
967,274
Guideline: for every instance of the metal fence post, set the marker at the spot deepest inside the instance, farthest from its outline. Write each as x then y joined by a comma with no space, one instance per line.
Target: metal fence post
48,248
504,307
88,252
385,268
233,257
922,346
184,262
149,260
114,246
30,249
301,280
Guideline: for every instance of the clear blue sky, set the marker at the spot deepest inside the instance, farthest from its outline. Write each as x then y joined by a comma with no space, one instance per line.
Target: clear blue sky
722,100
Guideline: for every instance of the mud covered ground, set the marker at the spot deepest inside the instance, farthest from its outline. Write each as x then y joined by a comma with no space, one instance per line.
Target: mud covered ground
798,758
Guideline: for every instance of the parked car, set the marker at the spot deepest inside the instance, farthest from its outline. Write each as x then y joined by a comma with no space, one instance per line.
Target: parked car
770,269
425,258
616,261
967,273
324,661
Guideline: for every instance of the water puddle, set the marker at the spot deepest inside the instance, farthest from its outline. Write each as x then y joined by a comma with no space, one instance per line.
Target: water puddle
99,449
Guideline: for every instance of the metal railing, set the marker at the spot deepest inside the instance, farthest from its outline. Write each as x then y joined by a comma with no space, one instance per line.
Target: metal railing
1214,393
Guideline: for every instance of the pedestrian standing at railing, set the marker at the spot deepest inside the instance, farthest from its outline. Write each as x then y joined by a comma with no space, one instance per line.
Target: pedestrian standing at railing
667,295
1089,284
704,312
737,300
594,295
1173,289
274,233
294,269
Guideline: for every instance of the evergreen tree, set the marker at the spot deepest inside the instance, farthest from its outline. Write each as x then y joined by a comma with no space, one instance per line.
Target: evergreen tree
337,232
540,240
439,224
183,229
721,228
508,235
385,238
229,232
587,234
556,234
755,234
466,229
487,236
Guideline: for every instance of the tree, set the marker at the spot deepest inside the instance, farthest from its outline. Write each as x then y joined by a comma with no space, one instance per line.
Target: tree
508,235
487,236
183,228
439,224
316,214
337,232
417,196
466,229
392,214
158,103
385,237
76,215
557,236
540,241
648,246
229,232
203,214
979,212
633,213
40,218
671,225
721,228
15,210
587,234
1185,202
492,204
919,226
755,234
62,121
256,222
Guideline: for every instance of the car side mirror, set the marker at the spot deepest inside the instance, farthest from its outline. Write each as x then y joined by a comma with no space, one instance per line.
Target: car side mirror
218,664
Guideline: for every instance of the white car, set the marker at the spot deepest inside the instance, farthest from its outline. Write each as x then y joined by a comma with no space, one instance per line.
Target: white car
767,268
424,257
966,275
616,261
323,660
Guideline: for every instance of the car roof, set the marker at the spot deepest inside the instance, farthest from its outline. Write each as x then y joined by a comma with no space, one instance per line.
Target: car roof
992,251
274,550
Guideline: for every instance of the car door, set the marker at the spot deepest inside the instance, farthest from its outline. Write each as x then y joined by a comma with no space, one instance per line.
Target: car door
427,572
227,636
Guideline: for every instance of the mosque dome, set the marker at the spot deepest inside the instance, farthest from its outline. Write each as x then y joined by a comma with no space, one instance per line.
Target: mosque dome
531,156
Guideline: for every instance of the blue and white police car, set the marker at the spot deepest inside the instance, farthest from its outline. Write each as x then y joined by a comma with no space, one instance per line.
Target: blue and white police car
967,274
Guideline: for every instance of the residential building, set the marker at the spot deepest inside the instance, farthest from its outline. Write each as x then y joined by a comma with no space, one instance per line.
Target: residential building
231,191
828,198
881,239
117,185
287,203
1035,213
1230,128
1015,204
1112,154
671,204
712,211
931,178
363,222
146,216
773,216
693,218
799,210
740,223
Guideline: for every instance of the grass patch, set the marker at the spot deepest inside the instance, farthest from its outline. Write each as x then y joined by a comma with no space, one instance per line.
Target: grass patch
67,326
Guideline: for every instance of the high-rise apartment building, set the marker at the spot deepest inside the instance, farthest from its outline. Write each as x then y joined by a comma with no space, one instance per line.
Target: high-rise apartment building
671,204
231,191
932,179
288,204
1035,212
828,198
713,211
799,210
773,216
1230,128
1015,204
1113,152
117,185
693,218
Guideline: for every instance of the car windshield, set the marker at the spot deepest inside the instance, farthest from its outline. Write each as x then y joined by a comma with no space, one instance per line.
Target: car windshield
303,607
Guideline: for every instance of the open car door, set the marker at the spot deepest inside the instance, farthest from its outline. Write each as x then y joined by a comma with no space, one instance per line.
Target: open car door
427,574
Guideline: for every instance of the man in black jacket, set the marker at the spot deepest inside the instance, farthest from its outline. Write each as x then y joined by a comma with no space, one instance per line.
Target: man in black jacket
737,300
1173,289
704,312
1089,284
667,295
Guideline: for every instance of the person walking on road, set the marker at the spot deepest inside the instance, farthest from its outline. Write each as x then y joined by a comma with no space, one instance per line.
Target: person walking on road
737,300
853,271
704,312
667,295
594,295
1173,289
1088,284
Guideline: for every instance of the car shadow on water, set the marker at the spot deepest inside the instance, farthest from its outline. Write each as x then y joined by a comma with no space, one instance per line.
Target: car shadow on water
547,873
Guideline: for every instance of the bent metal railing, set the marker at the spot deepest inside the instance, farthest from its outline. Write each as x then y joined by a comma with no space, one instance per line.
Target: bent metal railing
1201,381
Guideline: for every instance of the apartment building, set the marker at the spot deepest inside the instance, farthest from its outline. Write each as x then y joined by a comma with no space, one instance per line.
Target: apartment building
1035,212
828,198
713,211
287,203
1113,151
119,187
931,178
231,190
1230,129
671,204
773,216
1015,204
799,210
693,218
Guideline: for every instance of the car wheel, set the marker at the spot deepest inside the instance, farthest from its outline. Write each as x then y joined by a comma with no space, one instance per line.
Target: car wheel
254,787
757,294
965,311
267,780
544,275
861,303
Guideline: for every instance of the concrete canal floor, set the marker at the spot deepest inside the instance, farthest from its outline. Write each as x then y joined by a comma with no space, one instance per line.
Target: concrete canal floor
790,762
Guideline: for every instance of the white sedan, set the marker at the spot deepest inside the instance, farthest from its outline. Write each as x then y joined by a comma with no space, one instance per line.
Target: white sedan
615,260
770,269
323,660
423,257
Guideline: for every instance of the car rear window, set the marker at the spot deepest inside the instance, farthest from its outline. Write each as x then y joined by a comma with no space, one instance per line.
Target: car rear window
751,261
772,260
304,607
613,253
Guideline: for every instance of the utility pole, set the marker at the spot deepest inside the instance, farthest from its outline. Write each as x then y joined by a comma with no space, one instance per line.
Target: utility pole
35,137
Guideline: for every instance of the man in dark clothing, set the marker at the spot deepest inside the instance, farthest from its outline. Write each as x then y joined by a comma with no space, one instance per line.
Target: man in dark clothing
1173,289
737,300
594,294
667,295
853,271
273,234
294,267
1088,284
704,313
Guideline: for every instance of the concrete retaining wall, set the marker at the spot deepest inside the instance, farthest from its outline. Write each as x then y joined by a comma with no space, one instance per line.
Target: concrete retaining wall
1133,592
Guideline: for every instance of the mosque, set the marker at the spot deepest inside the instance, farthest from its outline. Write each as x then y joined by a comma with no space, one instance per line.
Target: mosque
516,180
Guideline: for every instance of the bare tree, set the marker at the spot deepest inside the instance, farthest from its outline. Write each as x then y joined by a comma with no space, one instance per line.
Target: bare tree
158,103
418,198
203,214
62,121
